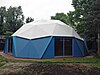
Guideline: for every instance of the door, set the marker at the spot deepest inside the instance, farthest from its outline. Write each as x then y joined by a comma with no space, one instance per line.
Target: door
67,47
58,47
63,47
10,45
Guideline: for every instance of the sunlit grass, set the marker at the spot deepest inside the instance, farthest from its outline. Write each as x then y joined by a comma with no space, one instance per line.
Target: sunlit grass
95,62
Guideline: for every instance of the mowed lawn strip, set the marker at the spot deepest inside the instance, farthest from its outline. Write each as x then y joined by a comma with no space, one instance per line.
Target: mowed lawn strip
95,62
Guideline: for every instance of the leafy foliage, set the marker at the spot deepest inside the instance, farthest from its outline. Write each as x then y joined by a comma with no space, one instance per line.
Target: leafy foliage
2,18
10,19
14,18
60,16
29,19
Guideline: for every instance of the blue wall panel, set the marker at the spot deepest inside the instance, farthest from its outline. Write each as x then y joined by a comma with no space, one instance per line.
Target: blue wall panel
13,46
78,47
49,52
6,47
27,51
18,45
40,45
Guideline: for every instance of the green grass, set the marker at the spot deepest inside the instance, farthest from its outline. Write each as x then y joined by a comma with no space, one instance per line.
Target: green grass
95,62
2,60
2,63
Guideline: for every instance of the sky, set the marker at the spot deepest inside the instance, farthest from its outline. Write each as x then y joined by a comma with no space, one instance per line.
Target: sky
40,9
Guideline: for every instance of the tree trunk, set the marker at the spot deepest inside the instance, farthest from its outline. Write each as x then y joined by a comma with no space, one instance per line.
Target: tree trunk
98,44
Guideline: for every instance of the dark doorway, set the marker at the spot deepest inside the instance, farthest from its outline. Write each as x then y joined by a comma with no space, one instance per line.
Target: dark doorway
63,47
2,44
10,45
67,47
58,47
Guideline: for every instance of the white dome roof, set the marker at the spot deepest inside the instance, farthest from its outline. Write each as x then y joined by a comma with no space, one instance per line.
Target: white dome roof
43,28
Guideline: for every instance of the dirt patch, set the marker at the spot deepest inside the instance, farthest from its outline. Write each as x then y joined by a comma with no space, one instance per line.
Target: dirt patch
48,69
61,69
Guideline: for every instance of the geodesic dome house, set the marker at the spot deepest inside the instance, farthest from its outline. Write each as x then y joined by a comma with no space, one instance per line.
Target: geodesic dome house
46,39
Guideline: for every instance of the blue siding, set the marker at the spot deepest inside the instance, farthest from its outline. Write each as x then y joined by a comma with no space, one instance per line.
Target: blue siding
6,47
78,48
30,48
49,52
13,46
18,45
42,47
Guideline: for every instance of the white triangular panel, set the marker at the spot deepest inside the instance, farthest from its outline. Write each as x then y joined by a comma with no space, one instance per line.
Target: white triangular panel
35,32
62,30
24,28
48,28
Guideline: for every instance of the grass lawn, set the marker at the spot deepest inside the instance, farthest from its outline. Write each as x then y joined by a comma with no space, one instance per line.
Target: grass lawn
95,62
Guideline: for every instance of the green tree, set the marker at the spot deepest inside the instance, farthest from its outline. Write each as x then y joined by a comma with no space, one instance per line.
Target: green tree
91,17
2,19
14,18
95,15
29,19
60,16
